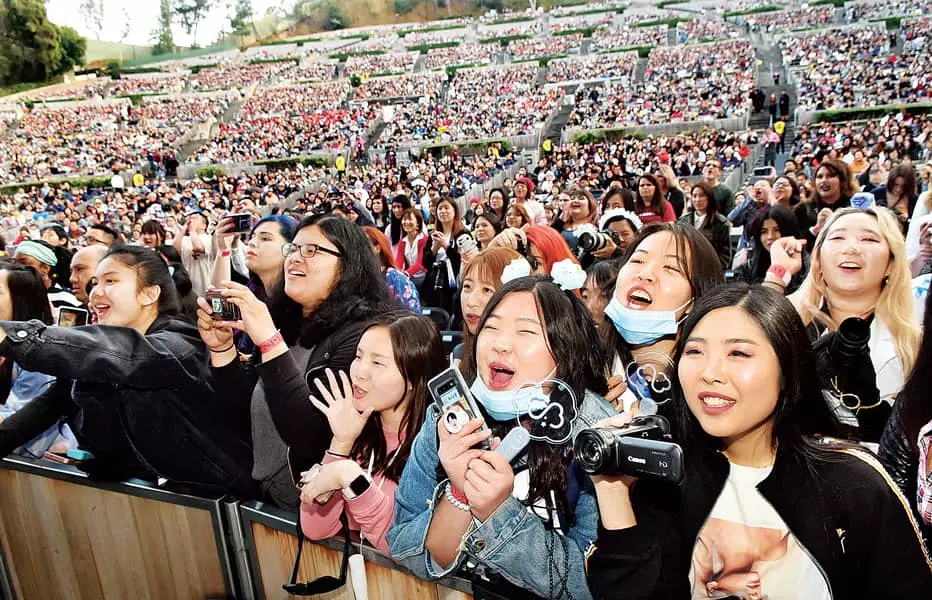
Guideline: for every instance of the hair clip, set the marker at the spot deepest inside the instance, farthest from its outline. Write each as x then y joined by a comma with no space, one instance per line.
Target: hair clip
519,267
568,275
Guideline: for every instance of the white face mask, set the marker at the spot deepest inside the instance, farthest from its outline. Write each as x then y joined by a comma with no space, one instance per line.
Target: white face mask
511,404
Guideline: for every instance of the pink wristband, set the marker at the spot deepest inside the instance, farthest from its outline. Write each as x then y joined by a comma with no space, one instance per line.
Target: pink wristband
224,253
271,342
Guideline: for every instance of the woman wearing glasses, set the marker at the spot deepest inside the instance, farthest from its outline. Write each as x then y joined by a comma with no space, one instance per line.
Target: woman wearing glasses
314,322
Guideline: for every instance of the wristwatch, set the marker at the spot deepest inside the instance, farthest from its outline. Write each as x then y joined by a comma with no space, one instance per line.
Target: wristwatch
357,487
780,272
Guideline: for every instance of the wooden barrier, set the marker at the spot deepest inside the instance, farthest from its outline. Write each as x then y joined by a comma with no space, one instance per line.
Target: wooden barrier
67,537
271,545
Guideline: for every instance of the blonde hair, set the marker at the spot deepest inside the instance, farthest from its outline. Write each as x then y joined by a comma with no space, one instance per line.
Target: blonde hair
894,306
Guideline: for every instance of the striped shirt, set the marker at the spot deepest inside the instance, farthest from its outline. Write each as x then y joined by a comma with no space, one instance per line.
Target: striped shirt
924,493
59,297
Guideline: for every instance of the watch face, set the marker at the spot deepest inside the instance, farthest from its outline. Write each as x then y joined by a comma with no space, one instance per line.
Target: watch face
359,485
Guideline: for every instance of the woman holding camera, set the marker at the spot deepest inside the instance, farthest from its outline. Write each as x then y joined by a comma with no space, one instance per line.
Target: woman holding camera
765,508
440,285
142,401
314,322
535,367
858,269
374,421
666,268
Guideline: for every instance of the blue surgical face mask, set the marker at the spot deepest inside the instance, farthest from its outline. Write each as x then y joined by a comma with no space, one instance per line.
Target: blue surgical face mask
643,327
510,404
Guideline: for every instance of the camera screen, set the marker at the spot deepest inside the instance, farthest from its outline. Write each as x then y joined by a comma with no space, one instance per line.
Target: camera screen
216,305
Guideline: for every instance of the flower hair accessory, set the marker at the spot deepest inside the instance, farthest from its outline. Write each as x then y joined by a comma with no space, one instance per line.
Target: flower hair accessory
568,275
519,267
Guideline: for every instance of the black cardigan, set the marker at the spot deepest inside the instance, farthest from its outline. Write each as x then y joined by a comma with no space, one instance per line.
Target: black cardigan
846,512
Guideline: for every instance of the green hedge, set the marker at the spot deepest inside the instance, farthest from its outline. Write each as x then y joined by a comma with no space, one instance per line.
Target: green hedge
210,172
342,56
861,113
563,3
12,188
136,99
307,161
355,36
512,20
669,2
452,69
835,3
585,31
643,51
751,11
600,135
198,68
386,74
265,61
139,70
401,34
299,42
423,48
892,23
670,23
595,11
505,40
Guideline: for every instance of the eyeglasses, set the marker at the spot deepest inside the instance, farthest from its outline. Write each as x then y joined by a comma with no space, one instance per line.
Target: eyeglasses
327,583
307,250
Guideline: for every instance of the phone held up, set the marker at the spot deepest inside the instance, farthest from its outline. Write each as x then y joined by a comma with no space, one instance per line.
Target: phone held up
72,317
222,309
457,406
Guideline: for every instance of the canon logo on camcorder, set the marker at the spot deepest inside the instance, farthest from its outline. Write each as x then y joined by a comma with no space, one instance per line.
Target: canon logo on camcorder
635,459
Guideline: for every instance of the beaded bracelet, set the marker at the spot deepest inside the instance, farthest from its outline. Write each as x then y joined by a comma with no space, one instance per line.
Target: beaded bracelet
456,499
270,343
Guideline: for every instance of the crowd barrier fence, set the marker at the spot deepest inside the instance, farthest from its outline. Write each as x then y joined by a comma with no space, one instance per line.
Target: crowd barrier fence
65,536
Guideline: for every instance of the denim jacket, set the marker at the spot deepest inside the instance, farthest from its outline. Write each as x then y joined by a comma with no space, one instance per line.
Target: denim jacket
502,542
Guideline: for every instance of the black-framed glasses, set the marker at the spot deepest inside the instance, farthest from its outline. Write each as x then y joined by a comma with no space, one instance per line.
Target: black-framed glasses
327,583
307,250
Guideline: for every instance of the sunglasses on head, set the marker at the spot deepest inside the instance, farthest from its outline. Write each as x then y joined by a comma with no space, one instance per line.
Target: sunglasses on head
327,583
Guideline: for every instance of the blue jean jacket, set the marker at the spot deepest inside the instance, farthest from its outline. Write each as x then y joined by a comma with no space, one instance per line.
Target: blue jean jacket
502,543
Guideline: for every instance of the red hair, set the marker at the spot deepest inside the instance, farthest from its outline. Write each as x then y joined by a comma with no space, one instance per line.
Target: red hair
551,244
385,251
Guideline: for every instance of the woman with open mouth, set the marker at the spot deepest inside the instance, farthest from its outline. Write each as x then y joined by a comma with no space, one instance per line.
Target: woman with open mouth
768,508
858,269
834,187
527,524
666,268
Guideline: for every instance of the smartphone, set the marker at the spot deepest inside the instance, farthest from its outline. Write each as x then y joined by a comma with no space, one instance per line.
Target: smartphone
466,244
72,317
222,309
242,222
60,458
457,406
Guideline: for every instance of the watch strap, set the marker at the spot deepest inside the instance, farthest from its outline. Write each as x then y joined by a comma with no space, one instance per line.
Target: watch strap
357,487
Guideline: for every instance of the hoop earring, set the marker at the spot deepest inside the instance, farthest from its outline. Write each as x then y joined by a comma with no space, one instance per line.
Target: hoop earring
883,284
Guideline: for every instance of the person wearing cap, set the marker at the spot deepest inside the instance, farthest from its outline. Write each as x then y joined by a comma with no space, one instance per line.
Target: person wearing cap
41,257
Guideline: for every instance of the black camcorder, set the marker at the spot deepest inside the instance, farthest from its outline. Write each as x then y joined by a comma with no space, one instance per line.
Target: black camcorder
642,449
595,241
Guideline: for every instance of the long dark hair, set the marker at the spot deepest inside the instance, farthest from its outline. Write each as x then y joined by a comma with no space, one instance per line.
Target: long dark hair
359,294
505,203
789,227
457,217
419,355
395,223
573,342
150,270
711,203
30,301
702,269
286,227
801,412
655,204
915,396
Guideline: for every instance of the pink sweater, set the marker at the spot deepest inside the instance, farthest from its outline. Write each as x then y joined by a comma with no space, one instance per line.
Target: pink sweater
370,513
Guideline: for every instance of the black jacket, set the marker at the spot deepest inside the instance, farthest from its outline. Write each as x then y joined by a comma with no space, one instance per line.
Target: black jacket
900,457
845,512
142,404
718,232
303,428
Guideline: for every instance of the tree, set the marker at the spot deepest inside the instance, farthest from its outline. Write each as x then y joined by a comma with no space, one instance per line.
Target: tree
164,41
29,42
241,20
73,48
334,17
93,13
191,12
